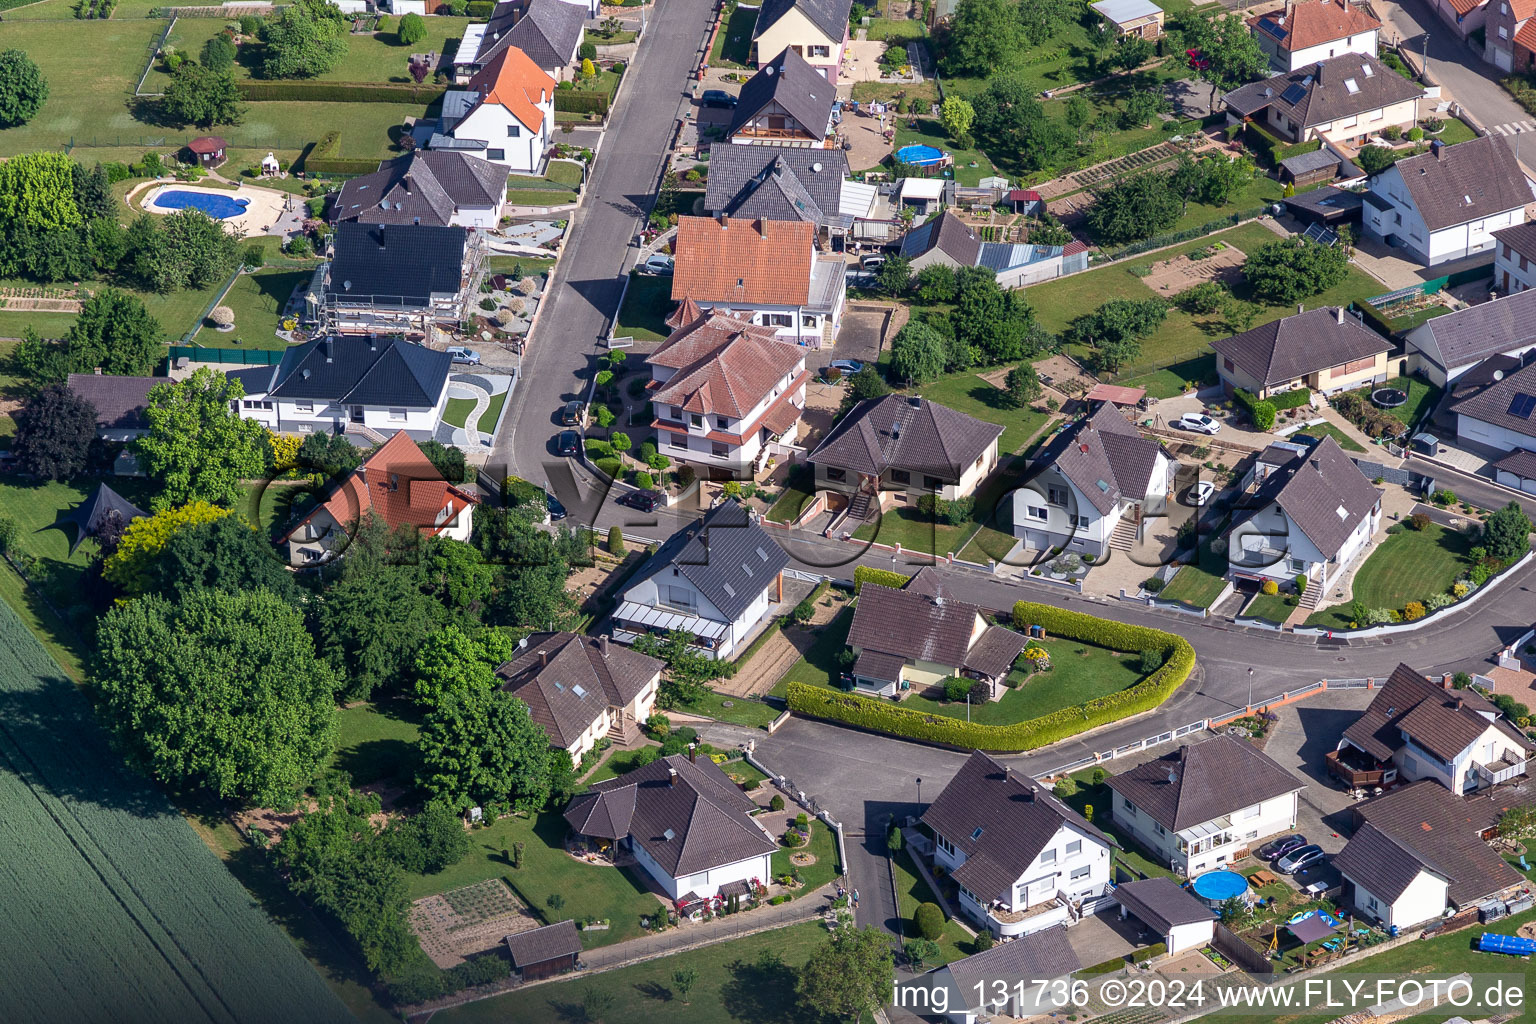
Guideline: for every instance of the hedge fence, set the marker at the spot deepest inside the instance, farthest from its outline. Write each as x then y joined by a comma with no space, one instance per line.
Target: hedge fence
339,92
863,574
317,158
883,716
581,101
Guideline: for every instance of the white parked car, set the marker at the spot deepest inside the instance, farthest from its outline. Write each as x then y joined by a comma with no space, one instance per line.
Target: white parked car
460,354
873,262
1201,493
1199,422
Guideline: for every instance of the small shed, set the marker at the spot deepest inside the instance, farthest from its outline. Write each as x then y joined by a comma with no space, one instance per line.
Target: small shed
269,166
1327,207
544,951
1115,394
924,193
1132,17
208,149
1161,904
1026,201
1317,167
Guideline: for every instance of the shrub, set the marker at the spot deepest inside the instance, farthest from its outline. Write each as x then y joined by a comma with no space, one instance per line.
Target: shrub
863,574
644,481
1444,497
1392,133
1263,415
1301,583
928,921
608,466
803,611
1064,789
777,803
957,689
1269,588
1153,584
615,541
1415,134
1419,520
1151,661
1413,610
588,50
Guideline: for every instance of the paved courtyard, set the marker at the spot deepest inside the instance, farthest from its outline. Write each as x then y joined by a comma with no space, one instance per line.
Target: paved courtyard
1306,731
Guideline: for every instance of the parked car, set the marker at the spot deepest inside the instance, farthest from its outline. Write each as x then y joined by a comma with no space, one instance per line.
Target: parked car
1302,856
848,367
643,501
873,262
460,354
1280,847
552,504
570,416
717,98
1199,422
1201,493
658,264
568,443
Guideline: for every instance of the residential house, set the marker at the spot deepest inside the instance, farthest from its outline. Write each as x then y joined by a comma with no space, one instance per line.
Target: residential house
1446,204
582,689
949,241
1416,854
723,389
396,485
1023,860
369,386
1167,908
1513,260
1311,518
1304,32
1205,804
438,188
1324,349
1338,99
967,989
774,182
919,636
684,821
1329,207
1140,18
1089,481
1498,418
119,402
546,951
1444,348
548,31
1417,729
1511,34
787,103
398,278
814,29
506,114
892,450
1463,16
764,271
718,578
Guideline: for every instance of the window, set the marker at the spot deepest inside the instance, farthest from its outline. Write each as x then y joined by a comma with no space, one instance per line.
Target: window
1160,830
834,473
306,428
1377,115
1056,495
944,844
1080,521
397,415
1036,512
1227,364
821,51
933,483
1298,565
1503,32
1074,847
681,596
721,422
304,408
514,131
808,321
694,419
495,154
1078,874
719,450
1047,857
778,320
900,476
1370,903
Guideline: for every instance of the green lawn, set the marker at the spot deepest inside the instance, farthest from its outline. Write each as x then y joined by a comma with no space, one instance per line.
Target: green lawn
178,312
929,132
536,197
1422,398
618,763
1079,672
914,531
748,981
733,43
563,173
819,666
375,744
735,710
646,305
257,301
896,29
1182,337
1097,796
968,393
912,892
1346,442
1174,380
1407,566
812,876
588,890
797,491
520,186
1194,586
1456,130
1269,606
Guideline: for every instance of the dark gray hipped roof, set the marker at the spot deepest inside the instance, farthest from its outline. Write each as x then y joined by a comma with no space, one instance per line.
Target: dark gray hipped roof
1521,238
548,31
775,182
358,371
947,233
1104,457
568,681
403,263
1001,820
1322,92
794,85
928,438
1377,860
1454,184
695,821
1325,495
1500,403
427,186
1521,463
119,401
1330,200
92,514
829,16
1506,324
1203,781
1162,904
726,554
539,945
915,626
1282,350
1443,722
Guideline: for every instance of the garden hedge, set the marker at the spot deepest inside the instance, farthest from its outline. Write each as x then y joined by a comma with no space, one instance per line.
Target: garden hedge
479,8
581,101
339,92
883,716
863,574
317,159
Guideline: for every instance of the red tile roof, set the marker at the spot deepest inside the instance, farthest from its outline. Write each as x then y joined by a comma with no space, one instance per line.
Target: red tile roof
1522,9
1465,7
723,365
1315,23
399,485
514,81
1526,37
757,261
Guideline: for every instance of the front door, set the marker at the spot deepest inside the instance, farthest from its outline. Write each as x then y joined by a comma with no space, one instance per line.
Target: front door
357,414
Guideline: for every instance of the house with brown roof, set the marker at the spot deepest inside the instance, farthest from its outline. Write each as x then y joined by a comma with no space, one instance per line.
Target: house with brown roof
1514,260
1463,16
1325,349
1337,99
967,988
119,402
1417,853
766,272
548,31
506,114
1311,517
436,187
398,486
910,639
542,952
1090,481
724,390
1023,860
1446,204
1446,348
891,450
1304,32
1169,910
1500,417
684,822
1511,34
950,242
788,102
582,689
1206,804
1415,729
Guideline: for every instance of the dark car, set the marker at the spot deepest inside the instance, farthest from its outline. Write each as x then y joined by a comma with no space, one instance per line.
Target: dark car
717,98
570,416
569,442
1280,847
552,503
643,501
1301,857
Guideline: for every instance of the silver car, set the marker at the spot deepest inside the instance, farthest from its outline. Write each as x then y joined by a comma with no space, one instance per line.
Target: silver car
1299,858
460,354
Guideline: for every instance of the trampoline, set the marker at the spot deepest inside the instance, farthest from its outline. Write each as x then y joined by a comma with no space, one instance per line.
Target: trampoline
1219,886
919,155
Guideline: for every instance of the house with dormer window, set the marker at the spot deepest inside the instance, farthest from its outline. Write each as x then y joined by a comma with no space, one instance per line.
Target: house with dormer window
1338,99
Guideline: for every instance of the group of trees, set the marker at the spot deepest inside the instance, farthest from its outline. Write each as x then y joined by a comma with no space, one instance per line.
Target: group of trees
987,35
988,325
1142,205
1290,269
304,39
1116,329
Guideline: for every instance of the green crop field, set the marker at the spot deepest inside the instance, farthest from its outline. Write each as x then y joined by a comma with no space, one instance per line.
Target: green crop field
114,909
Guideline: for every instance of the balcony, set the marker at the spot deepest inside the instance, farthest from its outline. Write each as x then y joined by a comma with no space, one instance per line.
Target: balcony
1359,770
1008,923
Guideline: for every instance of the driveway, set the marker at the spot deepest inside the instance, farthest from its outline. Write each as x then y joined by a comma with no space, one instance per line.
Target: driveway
1305,733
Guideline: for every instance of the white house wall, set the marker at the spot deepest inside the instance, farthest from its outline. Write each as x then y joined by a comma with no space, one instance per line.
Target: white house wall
1269,817
705,883
1424,899
1492,435
1360,42
1190,936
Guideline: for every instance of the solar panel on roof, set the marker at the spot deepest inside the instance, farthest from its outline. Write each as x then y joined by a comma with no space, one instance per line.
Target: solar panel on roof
1522,405
1294,94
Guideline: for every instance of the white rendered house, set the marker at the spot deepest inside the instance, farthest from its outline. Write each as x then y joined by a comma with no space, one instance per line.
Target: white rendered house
1306,31
582,689
506,114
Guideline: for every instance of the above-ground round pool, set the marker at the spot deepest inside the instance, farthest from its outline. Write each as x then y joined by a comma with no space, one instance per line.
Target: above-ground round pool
1219,886
216,206
919,155
1389,398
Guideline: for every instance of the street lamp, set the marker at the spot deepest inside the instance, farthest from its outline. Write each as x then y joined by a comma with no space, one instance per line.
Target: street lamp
1250,688
919,791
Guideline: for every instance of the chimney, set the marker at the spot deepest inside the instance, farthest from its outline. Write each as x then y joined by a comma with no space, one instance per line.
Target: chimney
1301,307
98,371
725,220
1437,147
671,776
1458,703
1317,74
693,754
543,659
602,645
916,401
1341,314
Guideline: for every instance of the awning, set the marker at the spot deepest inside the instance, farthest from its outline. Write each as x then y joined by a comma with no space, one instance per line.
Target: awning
667,619
1310,929
1116,393
876,665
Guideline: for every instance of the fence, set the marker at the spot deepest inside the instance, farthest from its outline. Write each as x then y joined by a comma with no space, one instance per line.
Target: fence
160,142
1433,286
149,62
240,356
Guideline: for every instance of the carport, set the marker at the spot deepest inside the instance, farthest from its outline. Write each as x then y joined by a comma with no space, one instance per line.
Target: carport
1169,910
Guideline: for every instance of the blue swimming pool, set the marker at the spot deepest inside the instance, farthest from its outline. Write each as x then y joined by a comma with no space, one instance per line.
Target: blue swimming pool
919,155
1216,886
217,207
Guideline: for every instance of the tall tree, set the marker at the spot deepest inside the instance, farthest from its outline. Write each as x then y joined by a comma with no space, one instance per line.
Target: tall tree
530,589
1223,177
850,974
917,354
1290,269
455,575
54,433
1133,208
192,251
197,446
93,192
1229,55
453,660
482,747
984,35
305,39
1116,329
131,567
1009,117
1507,533
37,191
958,117
412,30
222,554
113,331
23,89
1131,52
203,95
218,53
220,691
330,455
1022,386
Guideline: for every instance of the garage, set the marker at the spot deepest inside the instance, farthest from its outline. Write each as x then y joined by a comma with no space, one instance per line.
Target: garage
1170,912
1517,470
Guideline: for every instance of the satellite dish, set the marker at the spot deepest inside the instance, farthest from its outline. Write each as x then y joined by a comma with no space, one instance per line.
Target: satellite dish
346,286
770,69
1173,777
816,167
1498,374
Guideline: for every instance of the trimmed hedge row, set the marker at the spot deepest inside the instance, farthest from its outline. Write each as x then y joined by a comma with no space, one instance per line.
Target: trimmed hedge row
333,92
1292,399
583,101
479,8
317,158
863,574
883,716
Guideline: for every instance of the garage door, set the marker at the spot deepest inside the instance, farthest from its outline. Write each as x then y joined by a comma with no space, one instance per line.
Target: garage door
1504,59
1036,540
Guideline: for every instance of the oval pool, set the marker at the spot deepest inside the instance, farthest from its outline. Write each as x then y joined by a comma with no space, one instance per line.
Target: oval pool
1217,886
216,206
919,155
